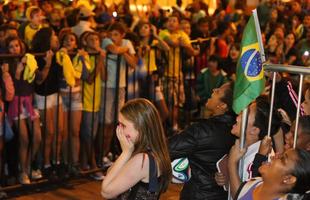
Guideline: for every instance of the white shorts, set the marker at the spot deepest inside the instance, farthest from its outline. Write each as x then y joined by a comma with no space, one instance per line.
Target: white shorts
51,101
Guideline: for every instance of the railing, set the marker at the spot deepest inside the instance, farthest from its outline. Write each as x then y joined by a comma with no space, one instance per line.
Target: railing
299,70
98,130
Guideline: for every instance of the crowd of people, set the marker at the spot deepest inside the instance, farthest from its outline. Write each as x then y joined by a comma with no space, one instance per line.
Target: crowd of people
74,77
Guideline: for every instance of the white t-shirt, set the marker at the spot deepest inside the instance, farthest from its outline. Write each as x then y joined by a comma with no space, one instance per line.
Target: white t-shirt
112,63
82,27
249,158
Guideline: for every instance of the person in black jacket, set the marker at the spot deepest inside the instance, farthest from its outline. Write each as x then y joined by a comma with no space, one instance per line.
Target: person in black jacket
204,143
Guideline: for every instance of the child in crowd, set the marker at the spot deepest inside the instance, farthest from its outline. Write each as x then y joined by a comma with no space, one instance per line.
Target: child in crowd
48,100
120,51
230,64
91,92
143,170
188,68
202,31
5,32
21,110
209,78
173,84
72,103
35,17
150,45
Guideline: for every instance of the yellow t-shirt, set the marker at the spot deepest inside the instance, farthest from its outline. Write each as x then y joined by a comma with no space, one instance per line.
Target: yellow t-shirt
174,53
90,96
29,34
150,58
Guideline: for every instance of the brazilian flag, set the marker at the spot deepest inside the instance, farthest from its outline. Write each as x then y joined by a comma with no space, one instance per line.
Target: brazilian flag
250,80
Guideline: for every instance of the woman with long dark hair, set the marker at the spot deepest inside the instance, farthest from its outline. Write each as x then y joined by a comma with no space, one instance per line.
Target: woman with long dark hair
47,97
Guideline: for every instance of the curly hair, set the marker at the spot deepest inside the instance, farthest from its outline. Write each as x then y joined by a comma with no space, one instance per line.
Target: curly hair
39,42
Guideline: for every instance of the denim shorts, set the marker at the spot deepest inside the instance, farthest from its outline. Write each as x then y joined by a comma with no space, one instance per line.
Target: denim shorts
51,101
76,101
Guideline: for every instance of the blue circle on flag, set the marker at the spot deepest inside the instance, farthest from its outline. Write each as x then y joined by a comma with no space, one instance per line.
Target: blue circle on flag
251,58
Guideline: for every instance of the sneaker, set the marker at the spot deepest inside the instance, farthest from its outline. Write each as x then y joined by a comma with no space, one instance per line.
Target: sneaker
36,174
98,176
24,179
50,174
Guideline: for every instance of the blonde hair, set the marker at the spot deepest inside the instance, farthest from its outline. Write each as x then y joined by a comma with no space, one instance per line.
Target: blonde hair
145,117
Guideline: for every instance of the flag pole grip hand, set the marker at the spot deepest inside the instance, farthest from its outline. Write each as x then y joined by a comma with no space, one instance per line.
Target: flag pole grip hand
236,153
265,146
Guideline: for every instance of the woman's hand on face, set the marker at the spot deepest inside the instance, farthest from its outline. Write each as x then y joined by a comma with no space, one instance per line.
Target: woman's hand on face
126,144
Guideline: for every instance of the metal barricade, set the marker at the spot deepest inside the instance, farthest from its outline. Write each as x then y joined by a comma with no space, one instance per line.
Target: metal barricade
55,154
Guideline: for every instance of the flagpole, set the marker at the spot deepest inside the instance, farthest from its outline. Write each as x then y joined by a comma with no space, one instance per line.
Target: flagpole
262,53
259,36
301,78
243,99
273,86
242,140
245,111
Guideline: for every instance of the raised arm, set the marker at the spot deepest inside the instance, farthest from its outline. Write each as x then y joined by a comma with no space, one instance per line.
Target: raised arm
42,74
235,155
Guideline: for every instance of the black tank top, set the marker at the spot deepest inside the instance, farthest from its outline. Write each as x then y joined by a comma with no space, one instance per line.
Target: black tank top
144,191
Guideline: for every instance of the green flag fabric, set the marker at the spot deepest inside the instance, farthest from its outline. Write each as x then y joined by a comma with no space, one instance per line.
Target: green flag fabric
250,80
